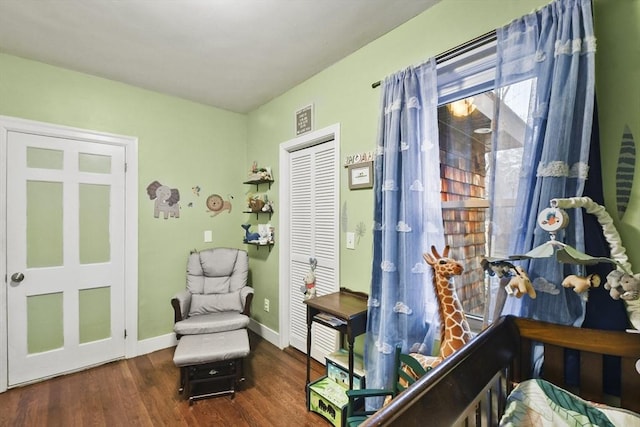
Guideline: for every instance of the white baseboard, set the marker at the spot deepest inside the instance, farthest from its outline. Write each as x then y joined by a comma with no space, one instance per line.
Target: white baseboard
161,342
156,343
268,334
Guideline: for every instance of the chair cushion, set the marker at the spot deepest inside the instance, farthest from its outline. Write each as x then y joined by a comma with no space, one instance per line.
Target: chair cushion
218,262
214,303
217,270
211,323
199,349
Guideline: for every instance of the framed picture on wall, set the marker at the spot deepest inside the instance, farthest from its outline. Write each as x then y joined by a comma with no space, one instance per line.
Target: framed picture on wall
360,175
304,120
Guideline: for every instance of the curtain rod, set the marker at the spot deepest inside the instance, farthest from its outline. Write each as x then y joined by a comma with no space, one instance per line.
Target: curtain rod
458,50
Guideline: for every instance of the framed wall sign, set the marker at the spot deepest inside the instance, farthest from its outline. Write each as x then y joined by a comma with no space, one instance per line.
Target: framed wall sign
304,120
360,175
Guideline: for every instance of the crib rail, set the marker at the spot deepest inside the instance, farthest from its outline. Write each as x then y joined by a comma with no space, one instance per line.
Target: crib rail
592,347
470,387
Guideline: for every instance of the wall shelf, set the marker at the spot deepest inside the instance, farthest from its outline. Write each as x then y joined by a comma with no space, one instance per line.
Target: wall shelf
252,206
257,182
258,213
258,245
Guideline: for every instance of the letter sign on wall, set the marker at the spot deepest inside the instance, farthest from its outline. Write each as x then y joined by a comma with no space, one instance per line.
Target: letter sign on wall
304,120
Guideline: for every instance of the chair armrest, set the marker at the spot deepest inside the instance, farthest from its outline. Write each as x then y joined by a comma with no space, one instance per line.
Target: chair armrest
246,296
181,303
368,392
354,395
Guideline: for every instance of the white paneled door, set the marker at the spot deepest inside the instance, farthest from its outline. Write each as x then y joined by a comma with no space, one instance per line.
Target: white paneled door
65,261
313,233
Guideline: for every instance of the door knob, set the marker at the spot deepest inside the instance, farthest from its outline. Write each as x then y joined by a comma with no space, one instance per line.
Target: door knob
17,277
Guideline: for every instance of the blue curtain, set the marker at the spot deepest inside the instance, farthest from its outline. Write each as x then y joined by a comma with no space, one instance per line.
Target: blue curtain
555,47
407,220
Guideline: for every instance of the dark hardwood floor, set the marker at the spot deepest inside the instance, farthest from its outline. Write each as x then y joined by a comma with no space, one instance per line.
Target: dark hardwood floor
143,392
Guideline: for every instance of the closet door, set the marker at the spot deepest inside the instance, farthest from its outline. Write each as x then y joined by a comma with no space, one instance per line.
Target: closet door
313,213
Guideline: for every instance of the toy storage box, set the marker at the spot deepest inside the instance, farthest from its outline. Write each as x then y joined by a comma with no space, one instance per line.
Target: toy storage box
329,399
338,369
327,396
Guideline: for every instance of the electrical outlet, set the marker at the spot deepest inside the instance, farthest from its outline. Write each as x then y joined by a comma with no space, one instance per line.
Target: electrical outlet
266,305
208,236
351,240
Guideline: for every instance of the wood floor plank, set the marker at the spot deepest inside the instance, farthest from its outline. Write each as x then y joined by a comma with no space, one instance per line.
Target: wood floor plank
143,391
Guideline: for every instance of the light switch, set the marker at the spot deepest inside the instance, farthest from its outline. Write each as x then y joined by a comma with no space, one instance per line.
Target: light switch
351,240
208,236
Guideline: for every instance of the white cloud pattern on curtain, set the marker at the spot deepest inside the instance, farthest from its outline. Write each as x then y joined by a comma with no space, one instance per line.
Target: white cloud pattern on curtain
407,221
555,47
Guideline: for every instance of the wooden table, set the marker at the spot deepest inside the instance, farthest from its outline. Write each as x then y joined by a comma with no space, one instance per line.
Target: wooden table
348,306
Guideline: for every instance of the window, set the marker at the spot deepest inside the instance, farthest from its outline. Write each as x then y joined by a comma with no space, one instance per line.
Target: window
473,171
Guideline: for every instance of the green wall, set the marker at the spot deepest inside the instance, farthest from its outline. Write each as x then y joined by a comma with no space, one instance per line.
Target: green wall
180,143
617,25
342,93
183,144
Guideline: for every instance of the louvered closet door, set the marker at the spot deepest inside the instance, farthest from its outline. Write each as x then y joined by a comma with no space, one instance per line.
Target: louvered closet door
314,233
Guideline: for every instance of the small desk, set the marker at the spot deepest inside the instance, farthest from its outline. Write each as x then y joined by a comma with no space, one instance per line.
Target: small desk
348,306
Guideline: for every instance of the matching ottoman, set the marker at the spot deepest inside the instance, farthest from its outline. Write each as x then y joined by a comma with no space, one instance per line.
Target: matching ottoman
211,364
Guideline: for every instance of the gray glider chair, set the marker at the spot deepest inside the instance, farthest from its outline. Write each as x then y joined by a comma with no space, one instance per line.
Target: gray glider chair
217,297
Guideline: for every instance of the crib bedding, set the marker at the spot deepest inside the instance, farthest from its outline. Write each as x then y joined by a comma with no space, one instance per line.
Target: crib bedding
537,402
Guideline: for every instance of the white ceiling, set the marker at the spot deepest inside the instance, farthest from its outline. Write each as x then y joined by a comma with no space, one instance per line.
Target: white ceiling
232,54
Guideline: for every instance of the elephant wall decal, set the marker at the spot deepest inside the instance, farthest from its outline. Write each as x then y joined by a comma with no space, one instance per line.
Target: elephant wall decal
166,200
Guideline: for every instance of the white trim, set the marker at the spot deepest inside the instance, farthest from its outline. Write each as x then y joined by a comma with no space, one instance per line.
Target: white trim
4,373
130,145
131,249
267,333
160,342
299,143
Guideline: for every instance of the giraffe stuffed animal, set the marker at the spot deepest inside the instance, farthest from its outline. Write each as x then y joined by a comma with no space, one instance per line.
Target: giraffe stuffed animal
454,328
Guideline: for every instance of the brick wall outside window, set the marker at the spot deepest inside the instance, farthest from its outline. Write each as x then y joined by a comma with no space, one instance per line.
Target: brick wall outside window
463,173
